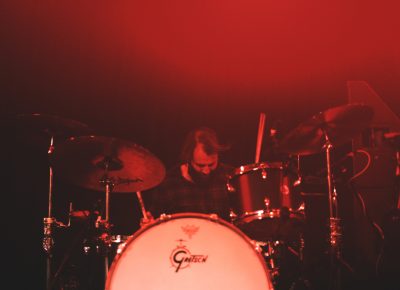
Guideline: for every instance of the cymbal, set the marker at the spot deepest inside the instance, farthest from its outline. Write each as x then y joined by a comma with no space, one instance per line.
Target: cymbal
339,124
89,161
39,128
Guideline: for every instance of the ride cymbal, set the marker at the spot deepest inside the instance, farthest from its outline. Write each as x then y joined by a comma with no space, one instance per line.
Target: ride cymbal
338,124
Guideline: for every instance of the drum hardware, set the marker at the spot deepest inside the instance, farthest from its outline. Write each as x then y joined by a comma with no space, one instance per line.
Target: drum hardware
108,165
302,281
48,243
50,222
264,199
269,252
118,243
232,215
130,167
274,252
135,169
42,131
87,240
165,217
333,127
147,217
299,179
89,252
103,225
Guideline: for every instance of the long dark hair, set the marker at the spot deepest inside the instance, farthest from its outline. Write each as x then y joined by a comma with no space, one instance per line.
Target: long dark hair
202,135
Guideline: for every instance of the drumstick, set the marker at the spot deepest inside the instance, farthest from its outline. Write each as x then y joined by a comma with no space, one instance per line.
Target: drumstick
260,136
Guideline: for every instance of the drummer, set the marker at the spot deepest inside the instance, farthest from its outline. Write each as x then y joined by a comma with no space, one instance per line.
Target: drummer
198,182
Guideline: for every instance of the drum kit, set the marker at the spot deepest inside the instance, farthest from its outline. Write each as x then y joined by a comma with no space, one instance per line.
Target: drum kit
185,250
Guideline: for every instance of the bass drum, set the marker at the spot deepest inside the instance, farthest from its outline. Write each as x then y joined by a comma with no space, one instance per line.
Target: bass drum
189,251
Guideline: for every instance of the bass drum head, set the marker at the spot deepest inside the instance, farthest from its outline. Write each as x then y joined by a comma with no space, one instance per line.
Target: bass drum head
189,251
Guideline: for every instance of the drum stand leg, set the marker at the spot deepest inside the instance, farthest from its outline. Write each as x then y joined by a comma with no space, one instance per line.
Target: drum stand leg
66,258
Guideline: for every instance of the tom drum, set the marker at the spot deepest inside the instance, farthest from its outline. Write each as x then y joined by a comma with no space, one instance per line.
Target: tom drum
266,208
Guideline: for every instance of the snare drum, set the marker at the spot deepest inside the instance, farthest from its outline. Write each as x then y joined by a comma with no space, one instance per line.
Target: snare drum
189,251
264,200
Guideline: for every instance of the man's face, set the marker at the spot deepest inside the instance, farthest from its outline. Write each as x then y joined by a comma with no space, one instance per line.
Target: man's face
202,162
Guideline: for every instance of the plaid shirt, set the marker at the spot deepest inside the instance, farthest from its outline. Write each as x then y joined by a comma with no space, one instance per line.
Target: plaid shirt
178,195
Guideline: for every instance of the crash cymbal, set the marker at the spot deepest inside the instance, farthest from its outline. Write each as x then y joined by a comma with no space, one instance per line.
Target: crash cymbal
339,124
88,161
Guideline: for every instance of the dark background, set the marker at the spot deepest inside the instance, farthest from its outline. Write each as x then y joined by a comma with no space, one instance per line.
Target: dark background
150,71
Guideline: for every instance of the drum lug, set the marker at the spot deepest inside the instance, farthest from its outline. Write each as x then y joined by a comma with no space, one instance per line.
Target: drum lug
267,202
264,174
214,217
258,245
165,217
230,187
232,215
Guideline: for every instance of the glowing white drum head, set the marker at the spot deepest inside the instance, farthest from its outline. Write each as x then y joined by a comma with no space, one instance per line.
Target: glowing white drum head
189,251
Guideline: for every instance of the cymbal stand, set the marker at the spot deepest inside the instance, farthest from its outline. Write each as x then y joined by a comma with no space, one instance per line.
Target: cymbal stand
103,224
50,222
335,230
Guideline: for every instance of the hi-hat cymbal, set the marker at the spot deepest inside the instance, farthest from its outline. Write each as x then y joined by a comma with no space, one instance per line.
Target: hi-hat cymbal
52,125
37,130
338,124
89,161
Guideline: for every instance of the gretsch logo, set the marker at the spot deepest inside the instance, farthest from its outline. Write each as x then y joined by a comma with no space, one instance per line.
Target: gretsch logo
181,257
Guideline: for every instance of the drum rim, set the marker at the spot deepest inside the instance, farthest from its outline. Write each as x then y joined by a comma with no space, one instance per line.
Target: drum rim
266,214
243,169
210,217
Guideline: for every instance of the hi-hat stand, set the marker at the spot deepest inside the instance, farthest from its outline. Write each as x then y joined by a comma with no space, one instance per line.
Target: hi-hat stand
50,223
